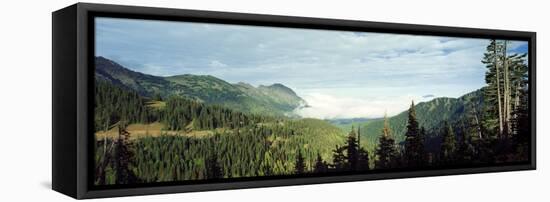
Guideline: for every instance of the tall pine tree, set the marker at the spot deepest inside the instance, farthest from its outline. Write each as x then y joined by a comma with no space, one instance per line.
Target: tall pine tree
339,159
448,146
123,156
386,151
506,78
352,150
494,118
300,166
414,144
363,154
320,165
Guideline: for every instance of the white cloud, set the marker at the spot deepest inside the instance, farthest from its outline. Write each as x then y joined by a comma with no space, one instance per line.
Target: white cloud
324,106
215,63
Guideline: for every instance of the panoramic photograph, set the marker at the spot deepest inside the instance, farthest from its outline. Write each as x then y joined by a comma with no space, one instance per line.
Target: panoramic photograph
183,101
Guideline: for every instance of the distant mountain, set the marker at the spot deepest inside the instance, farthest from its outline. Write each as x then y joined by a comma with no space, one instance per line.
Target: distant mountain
275,99
431,115
346,124
277,95
345,121
142,83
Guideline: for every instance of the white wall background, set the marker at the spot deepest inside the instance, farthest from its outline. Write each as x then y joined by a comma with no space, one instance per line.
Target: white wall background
25,103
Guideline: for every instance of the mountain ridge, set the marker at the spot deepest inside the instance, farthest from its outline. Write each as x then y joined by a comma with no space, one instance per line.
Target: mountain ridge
430,114
276,98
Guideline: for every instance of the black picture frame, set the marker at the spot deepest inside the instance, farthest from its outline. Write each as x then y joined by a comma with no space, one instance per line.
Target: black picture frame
72,95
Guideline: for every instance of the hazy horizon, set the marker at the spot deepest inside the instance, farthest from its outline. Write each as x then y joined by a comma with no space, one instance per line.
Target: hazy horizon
341,74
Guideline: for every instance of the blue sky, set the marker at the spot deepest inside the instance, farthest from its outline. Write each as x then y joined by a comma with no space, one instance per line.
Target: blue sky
340,74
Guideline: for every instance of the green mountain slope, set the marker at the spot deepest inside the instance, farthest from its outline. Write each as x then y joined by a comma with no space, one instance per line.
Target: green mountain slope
431,115
317,136
275,99
144,84
197,141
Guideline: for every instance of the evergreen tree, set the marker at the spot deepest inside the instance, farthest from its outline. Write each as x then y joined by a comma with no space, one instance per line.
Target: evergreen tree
363,154
102,161
123,156
213,166
320,165
521,128
504,103
422,150
506,78
448,146
520,106
363,160
339,159
414,145
352,150
300,166
465,150
267,164
386,151
493,119
475,125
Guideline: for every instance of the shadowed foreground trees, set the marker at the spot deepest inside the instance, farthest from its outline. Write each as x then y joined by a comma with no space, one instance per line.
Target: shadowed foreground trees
351,156
414,142
387,154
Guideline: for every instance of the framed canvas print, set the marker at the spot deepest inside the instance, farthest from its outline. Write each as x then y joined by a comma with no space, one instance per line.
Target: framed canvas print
154,100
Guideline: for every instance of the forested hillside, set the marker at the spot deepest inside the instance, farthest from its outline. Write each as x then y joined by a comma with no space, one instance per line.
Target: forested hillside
242,144
431,115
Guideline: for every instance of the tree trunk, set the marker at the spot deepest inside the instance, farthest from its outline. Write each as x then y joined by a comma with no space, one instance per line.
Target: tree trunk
478,124
500,125
104,145
516,105
507,97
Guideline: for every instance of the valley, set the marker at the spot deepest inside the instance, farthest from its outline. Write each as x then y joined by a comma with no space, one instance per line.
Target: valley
199,127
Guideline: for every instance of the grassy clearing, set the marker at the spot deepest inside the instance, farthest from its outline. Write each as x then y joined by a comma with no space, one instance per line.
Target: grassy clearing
156,104
152,130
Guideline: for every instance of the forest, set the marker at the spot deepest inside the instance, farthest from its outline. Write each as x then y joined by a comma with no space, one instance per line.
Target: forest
201,141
